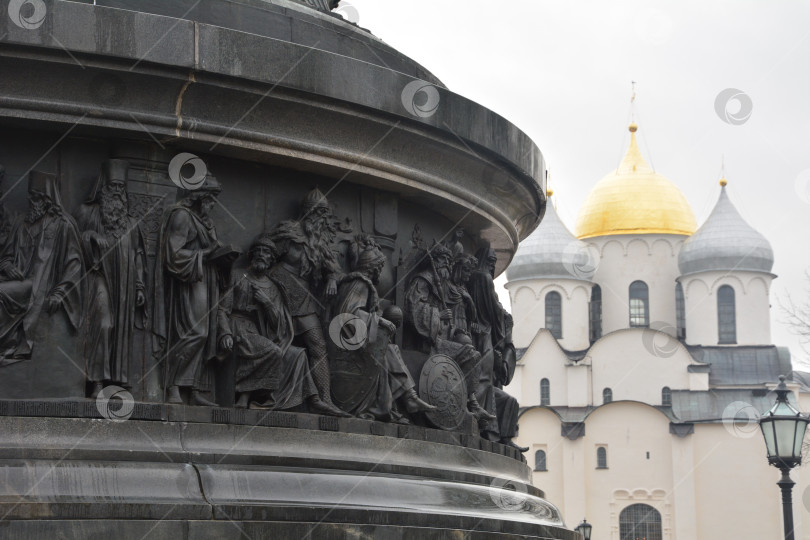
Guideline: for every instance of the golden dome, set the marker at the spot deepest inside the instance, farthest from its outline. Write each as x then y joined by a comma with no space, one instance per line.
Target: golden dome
634,199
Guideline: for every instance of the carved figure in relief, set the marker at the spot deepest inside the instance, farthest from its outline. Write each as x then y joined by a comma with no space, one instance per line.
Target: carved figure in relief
191,272
40,269
369,380
271,372
430,314
493,340
307,274
115,256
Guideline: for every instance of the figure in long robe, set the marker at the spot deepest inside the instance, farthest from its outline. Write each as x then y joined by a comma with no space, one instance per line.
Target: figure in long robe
494,341
382,379
308,270
271,373
191,272
431,318
115,255
41,268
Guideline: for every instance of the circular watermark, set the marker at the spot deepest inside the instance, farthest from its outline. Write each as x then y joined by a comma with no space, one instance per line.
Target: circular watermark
107,89
115,403
658,339
27,14
187,171
348,331
420,98
508,494
653,26
733,106
348,12
802,186
741,419
580,259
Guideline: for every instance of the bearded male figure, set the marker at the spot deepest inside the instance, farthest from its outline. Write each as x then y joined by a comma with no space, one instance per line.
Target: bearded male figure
271,373
191,272
115,255
430,315
40,268
494,341
308,270
385,379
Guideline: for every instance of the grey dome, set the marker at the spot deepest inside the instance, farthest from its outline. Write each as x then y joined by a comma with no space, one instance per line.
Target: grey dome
551,251
725,242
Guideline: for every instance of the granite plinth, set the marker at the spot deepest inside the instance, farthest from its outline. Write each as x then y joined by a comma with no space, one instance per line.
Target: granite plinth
200,472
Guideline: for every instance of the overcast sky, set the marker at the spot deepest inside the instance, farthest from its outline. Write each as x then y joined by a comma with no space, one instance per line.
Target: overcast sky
561,71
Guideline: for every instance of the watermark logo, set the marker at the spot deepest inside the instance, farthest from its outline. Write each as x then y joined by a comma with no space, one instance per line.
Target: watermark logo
802,186
653,26
348,12
420,98
187,171
733,106
508,495
580,260
27,14
741,419
115,403
658,339
348,331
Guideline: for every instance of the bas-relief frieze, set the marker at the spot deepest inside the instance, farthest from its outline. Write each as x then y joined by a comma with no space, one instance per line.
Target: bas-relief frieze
301,318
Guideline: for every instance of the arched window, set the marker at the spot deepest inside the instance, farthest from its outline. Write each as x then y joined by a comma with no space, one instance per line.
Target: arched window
680,311
666,397
545,392
639,304
540,460
554,314
607,395
639,521
601,458
596,313
726,315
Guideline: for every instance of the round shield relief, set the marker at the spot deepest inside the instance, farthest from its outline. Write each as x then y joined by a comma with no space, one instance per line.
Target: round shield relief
442,384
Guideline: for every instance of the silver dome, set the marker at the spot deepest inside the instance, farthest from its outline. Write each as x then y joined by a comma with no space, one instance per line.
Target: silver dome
725,242
551,251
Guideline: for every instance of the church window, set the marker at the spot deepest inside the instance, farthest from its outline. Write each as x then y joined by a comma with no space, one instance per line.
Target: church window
545,393
554,314
666,397
639,521
639,304
540,460
596,313
726,315
607,395
601,458
680,311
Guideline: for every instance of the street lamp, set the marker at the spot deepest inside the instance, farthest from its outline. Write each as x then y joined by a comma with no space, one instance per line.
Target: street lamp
584,529
783,428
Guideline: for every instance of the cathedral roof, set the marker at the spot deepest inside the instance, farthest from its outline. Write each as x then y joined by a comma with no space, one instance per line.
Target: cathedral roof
725,242
551,251
634,199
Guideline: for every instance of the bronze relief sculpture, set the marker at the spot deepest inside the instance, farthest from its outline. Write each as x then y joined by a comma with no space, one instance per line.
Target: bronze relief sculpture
41,269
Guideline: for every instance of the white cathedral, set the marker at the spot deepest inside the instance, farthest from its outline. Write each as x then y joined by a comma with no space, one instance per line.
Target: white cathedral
644,360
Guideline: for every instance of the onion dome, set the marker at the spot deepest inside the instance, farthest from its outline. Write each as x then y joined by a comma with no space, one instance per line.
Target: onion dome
634,199
551,251
725,242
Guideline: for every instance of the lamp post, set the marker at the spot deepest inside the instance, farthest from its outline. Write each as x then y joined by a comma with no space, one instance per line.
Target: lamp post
783,428
584,529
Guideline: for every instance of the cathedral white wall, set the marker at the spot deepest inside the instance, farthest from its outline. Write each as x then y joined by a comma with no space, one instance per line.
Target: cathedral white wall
699,483
636,364
543,359
652,258
528,298
752,303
